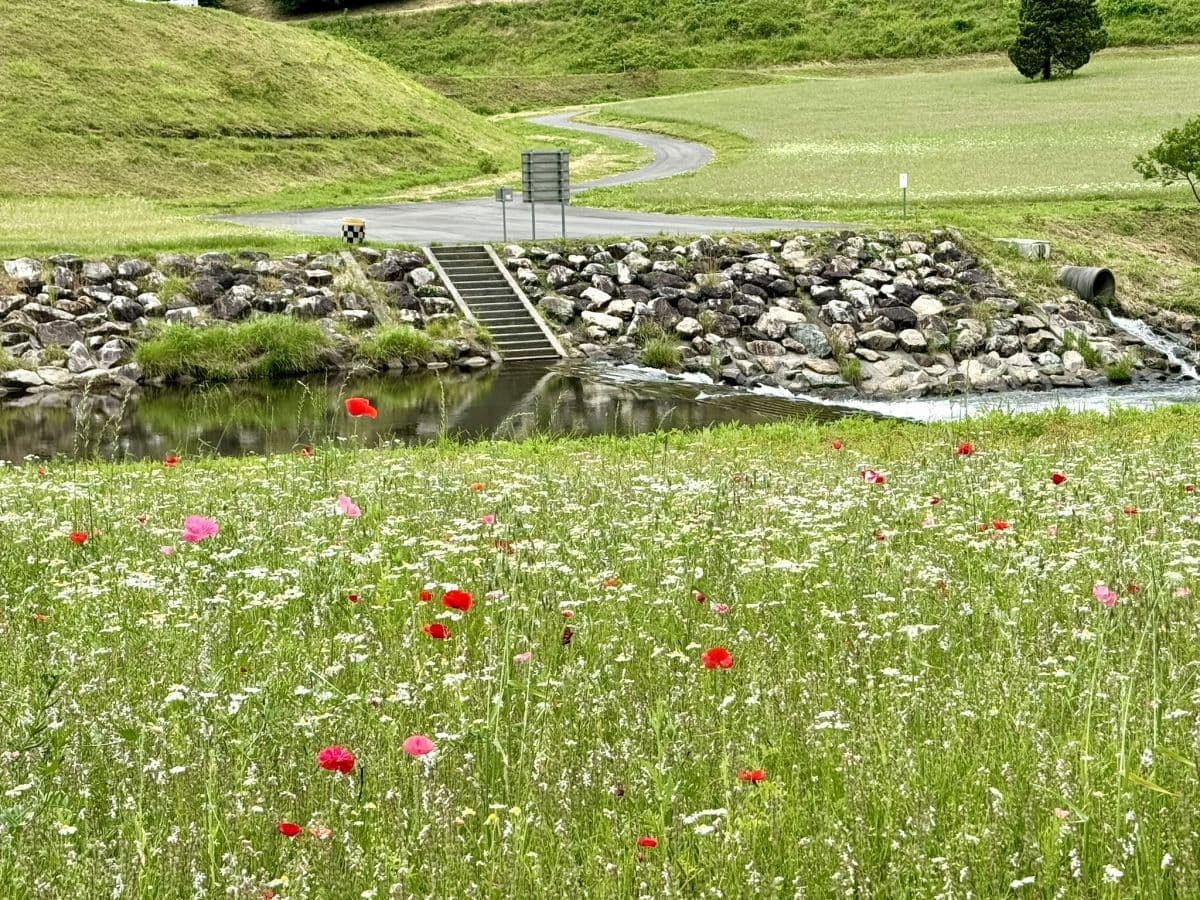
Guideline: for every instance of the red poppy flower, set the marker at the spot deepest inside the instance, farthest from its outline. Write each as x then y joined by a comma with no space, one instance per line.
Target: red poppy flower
353,598
568,614
965,449
1000,525
425,596
647,843
1189,489
42,472
1131,510
1058,477
306,452
754,776
870,476
477,486
717,658
171,462
289,829
336,759
459,600
699,597
79,537
935,500
437,631
837,445
880,536
361,406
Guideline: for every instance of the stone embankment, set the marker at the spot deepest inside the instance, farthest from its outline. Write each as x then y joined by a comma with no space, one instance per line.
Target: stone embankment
877,314
70,323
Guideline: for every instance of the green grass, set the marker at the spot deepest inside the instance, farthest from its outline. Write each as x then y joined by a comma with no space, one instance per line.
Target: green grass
401,343
113,97
922,689
498,93
661,353
962,135
554,37
1121,371
264,347
8,363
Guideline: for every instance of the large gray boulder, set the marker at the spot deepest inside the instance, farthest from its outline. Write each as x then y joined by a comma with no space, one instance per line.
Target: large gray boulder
61,333
812,339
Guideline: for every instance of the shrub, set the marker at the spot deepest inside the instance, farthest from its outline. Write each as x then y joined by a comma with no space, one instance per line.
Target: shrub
400,343
8,363
661,353
267,347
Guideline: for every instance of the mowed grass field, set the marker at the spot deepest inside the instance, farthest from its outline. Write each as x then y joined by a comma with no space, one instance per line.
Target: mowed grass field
964,135
968,677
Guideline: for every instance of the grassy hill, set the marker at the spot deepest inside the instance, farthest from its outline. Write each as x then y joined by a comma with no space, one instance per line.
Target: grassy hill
586,36
107,97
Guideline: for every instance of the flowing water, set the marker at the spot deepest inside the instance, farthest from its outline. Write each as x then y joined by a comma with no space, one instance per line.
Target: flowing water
1172,350
512,404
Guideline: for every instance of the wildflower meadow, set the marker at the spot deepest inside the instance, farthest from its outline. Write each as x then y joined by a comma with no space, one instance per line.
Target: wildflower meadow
857,660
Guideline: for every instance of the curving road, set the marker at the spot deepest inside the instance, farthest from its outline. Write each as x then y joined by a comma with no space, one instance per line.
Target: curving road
473,221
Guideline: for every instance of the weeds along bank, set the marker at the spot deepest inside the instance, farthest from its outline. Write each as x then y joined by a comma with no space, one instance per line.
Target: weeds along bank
69,323
943,665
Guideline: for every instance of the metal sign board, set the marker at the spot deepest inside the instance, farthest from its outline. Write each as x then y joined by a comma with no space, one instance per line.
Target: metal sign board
504,195
546,176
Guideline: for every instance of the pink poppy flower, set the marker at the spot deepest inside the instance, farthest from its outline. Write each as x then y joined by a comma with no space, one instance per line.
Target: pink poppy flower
198,528
419,745
489,519
347,508
522,658
720,608
166,550
870,476
1106,595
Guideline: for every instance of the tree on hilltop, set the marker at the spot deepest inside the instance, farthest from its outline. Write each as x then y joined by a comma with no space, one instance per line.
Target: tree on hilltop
1056,37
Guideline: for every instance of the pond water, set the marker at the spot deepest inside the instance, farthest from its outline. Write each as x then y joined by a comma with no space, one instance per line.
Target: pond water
514,403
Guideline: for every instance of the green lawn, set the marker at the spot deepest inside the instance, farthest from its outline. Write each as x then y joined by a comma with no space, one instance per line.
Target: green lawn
921,669
967,135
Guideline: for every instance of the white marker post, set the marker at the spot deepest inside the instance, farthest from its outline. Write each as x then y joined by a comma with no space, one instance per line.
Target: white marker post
904,195
504,197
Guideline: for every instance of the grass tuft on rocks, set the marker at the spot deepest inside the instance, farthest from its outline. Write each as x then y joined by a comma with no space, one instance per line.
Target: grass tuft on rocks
262,348
402,343
661,353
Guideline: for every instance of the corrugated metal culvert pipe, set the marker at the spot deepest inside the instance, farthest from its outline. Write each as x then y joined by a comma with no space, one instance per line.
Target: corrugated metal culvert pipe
1087,282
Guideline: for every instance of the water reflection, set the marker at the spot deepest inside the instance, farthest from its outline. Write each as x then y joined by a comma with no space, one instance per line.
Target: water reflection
280,417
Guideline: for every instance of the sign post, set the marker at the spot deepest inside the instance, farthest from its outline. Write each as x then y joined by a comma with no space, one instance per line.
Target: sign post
504,197
546,178
904,195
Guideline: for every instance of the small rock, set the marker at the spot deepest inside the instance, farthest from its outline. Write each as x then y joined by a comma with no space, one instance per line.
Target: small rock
185,315
97,272
318,276
925,305
79,359
607,323
912,341
560,308
421,277
877,340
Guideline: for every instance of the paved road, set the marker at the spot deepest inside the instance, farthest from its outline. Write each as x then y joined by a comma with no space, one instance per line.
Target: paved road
464,221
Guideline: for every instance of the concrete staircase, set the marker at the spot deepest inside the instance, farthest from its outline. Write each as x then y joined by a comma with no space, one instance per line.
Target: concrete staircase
487,293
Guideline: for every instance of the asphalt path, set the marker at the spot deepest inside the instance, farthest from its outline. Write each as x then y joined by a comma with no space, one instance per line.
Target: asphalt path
473,221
